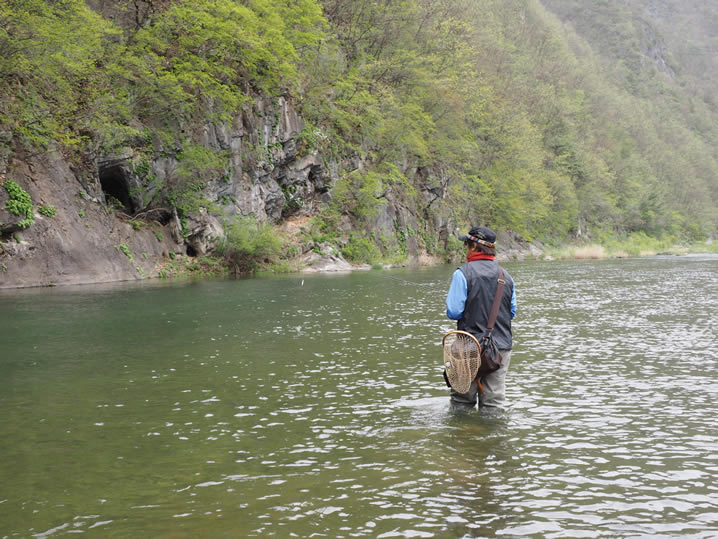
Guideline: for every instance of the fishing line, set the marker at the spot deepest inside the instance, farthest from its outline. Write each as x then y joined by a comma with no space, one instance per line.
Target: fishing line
412,283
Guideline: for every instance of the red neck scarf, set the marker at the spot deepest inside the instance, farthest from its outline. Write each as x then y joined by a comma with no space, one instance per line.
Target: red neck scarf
479,256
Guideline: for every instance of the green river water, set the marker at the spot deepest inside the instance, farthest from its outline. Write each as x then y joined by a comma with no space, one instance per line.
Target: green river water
314,406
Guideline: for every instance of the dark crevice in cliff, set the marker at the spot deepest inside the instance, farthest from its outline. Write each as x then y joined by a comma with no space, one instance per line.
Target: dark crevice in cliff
116,185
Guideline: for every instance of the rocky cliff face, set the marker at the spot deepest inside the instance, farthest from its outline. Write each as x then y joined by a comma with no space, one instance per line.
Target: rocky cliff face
108,226
271,176
84,242
110,223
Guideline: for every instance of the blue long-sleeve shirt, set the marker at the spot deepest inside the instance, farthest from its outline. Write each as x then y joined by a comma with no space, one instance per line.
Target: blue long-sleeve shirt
456,299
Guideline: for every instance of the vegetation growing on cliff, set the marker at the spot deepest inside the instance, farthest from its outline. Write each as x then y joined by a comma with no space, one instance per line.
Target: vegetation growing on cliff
249,245
19,204
459,111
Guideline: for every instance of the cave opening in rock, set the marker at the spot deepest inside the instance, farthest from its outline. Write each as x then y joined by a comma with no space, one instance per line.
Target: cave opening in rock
116,185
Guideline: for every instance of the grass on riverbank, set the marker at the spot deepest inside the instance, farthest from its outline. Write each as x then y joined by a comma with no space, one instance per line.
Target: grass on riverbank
632,246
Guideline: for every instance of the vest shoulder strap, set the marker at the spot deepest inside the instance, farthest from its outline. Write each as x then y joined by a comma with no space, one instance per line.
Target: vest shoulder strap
497,302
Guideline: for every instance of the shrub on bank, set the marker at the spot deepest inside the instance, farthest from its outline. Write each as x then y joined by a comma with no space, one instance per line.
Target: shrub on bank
249,245
361,250
641,244
635,244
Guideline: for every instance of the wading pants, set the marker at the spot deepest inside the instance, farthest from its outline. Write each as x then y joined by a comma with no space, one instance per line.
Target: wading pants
494,385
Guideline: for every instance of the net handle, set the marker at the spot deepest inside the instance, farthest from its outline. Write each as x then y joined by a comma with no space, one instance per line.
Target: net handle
458,331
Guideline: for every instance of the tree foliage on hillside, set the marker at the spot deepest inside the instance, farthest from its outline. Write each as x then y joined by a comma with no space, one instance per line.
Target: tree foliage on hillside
666,96
75,77
517,117
503,114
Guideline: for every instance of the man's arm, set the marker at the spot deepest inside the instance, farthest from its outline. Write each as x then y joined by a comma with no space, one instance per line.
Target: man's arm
456,299
513,303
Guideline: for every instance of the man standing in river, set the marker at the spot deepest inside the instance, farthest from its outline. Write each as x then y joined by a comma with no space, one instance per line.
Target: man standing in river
471,295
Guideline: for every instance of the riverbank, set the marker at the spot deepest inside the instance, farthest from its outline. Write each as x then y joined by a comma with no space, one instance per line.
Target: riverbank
328,258
297,253
68,234
514,249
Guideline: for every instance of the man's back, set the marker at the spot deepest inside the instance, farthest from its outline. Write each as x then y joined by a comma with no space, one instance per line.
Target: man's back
482,283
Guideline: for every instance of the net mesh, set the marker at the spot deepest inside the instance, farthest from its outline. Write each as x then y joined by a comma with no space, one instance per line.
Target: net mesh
461,359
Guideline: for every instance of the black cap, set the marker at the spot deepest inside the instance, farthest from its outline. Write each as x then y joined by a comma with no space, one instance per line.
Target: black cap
480,234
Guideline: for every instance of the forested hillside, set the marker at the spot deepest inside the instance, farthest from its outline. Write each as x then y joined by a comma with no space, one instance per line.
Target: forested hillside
387,124
665,54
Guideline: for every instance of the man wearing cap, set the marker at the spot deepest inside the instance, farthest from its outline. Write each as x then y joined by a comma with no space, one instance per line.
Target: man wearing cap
471,295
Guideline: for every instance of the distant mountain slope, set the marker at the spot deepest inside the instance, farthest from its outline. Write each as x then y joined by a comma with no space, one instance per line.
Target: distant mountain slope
662,49
665,54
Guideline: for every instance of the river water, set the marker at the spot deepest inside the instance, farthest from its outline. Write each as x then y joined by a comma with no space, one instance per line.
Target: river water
314,406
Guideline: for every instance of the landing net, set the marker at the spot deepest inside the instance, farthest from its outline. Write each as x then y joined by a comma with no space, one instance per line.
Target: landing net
462,358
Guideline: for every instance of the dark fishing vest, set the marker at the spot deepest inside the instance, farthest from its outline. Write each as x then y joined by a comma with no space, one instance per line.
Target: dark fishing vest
481,284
